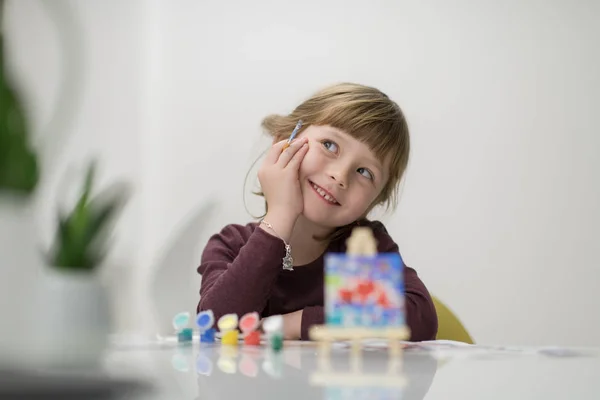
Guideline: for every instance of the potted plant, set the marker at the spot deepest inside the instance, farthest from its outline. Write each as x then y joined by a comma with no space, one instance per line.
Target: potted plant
75,318
53,306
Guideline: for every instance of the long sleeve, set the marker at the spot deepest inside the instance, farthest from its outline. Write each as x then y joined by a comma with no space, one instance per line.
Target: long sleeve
239,268
313,315
420,311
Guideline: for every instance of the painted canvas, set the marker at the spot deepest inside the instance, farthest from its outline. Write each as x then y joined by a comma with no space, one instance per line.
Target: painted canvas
364,291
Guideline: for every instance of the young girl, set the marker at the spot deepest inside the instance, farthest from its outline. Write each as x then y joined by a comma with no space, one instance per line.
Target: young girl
348,157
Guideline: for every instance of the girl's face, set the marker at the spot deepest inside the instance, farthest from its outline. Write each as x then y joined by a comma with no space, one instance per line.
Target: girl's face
340,177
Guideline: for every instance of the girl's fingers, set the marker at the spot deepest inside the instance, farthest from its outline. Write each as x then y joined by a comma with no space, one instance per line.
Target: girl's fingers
275,152
298,157
290,152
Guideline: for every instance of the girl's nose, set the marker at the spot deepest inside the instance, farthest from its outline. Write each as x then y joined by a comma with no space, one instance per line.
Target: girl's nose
340,178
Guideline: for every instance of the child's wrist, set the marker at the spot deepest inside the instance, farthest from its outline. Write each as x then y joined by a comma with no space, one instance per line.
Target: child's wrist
292,325
280,225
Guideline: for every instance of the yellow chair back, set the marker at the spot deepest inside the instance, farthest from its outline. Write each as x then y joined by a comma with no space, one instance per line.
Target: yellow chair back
449,326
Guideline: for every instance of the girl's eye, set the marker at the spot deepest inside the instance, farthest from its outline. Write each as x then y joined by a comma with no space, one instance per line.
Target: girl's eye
329,145
365,172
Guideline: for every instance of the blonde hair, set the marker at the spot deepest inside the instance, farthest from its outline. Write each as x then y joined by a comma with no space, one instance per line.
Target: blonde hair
366,114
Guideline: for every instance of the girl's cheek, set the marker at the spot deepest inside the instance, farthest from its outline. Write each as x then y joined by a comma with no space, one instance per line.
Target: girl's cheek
310,154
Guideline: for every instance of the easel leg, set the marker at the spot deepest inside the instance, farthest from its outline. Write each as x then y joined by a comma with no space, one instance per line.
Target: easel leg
356,347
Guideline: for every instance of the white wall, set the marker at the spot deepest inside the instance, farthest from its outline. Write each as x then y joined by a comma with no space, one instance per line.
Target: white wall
499,214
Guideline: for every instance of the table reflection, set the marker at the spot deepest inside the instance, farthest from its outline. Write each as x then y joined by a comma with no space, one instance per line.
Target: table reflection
301,372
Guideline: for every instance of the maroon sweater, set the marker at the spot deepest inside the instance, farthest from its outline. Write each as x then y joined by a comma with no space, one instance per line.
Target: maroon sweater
241,272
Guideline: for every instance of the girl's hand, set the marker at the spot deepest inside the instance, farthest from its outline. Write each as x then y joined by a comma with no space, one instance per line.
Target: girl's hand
292,324
278,177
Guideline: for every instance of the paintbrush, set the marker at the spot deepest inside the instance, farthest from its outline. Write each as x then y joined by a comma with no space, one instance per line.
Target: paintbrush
293,135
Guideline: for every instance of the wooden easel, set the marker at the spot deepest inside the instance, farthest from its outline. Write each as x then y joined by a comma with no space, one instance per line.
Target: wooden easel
360,243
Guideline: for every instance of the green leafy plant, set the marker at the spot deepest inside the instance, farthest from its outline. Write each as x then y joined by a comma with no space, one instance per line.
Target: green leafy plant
81,236
19,171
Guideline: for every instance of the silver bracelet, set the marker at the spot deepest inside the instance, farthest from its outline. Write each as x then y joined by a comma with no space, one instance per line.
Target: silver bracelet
288,261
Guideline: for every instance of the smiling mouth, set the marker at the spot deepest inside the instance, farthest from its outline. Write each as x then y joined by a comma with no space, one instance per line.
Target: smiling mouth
324,194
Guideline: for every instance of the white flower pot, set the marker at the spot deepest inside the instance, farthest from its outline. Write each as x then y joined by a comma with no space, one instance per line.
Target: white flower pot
73,320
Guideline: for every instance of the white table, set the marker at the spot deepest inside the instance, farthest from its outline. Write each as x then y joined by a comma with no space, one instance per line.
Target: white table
433,371
448,372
